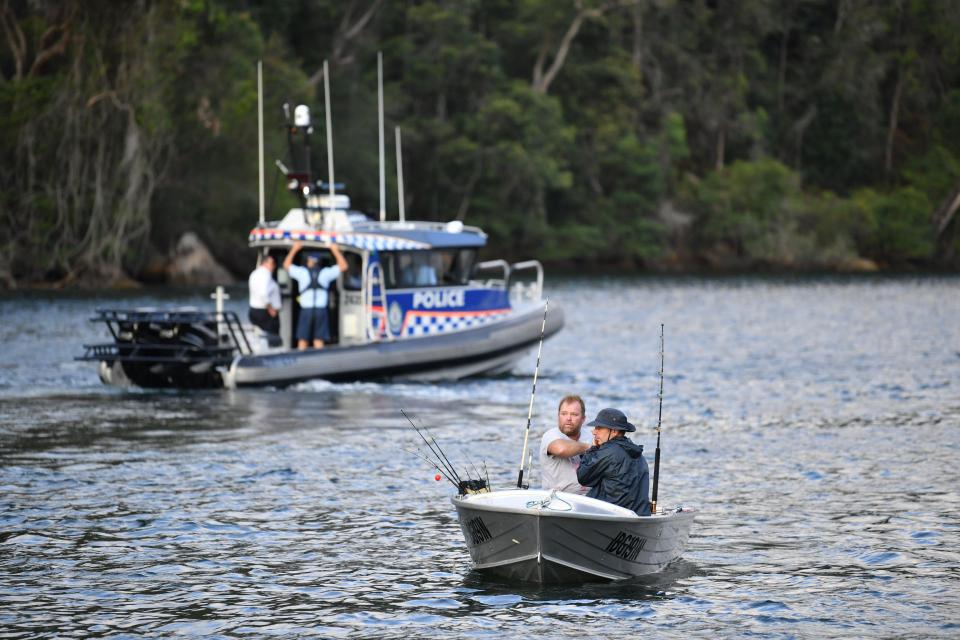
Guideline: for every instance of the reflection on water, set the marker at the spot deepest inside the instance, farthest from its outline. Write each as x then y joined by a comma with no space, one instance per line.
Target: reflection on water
813,424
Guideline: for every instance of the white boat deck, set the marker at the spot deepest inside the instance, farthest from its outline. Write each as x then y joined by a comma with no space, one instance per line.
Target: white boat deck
546,503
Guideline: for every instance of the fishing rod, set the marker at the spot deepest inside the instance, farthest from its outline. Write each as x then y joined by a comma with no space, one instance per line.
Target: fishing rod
530,462
436,444
466,454
434,448
432,464
656,459
473,486
440,458
470,485
536,371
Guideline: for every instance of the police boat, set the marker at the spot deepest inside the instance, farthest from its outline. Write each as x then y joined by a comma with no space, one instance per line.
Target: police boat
416,302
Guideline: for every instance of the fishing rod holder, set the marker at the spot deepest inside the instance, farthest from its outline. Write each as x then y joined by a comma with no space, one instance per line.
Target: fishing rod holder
469,487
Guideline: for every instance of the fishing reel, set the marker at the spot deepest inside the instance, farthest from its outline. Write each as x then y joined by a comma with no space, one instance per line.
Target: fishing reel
469,487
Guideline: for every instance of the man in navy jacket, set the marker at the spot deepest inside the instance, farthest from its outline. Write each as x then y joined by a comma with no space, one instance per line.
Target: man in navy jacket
614,467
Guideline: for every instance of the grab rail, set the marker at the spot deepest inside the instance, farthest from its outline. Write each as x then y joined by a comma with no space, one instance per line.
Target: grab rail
526,292
489,265
374,331
519,289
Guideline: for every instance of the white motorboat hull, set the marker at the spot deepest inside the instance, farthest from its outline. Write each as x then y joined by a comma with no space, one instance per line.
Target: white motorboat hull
186,361
543,537
449,356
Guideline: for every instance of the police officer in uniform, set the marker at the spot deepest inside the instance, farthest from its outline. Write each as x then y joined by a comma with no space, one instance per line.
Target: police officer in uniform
314,282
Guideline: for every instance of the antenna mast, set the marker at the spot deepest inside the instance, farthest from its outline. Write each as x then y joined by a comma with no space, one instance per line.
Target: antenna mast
383,179
260,135
326,97
400,173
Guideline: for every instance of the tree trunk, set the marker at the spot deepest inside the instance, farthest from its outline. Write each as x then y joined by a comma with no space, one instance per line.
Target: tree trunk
721,149
83,199
637,57
944,214
15,39
892,125
782,71
346,34
468,191
946,243
799,128
543,79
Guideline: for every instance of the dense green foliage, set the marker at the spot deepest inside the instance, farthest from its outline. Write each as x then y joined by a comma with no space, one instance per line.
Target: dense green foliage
638,133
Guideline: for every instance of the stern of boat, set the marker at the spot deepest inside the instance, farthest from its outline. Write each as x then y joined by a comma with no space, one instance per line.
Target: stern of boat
167,349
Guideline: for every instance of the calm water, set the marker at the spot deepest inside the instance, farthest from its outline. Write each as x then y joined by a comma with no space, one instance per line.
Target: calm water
815,425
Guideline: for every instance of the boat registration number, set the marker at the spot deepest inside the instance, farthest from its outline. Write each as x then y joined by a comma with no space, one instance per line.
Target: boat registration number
626,546
478,531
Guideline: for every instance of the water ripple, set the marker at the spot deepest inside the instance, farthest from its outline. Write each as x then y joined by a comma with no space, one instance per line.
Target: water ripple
813,424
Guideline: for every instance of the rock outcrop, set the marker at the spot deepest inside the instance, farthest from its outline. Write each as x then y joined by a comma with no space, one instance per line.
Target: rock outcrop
191,263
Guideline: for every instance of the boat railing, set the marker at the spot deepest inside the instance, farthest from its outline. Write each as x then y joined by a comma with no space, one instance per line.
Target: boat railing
523,280
417,225
374,304
521,288
186,337
492,273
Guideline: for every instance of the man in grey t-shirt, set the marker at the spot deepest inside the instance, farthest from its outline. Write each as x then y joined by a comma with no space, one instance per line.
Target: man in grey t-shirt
560,447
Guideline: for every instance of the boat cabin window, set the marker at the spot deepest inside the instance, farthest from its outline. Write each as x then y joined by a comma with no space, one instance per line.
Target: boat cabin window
462,267
409,269
353,278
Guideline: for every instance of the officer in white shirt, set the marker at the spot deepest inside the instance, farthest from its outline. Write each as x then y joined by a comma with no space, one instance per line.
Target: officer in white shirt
313,284
265,297
560,447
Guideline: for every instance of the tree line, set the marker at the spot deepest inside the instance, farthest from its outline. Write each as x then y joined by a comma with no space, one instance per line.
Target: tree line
638,134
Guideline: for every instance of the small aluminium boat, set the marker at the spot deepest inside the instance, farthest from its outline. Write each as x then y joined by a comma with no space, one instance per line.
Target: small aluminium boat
549,536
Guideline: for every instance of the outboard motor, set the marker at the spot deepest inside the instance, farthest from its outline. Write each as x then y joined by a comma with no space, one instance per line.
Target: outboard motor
169,349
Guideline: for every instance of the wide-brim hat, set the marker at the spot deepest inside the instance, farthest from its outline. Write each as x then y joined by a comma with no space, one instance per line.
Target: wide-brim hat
612,419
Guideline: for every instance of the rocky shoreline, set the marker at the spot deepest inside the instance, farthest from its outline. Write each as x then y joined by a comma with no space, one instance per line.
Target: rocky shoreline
192,264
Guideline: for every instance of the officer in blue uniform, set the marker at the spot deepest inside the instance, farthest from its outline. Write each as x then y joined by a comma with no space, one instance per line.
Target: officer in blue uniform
313,282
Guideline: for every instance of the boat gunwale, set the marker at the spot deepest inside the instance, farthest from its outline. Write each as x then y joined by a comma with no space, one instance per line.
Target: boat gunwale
516,315
465,501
